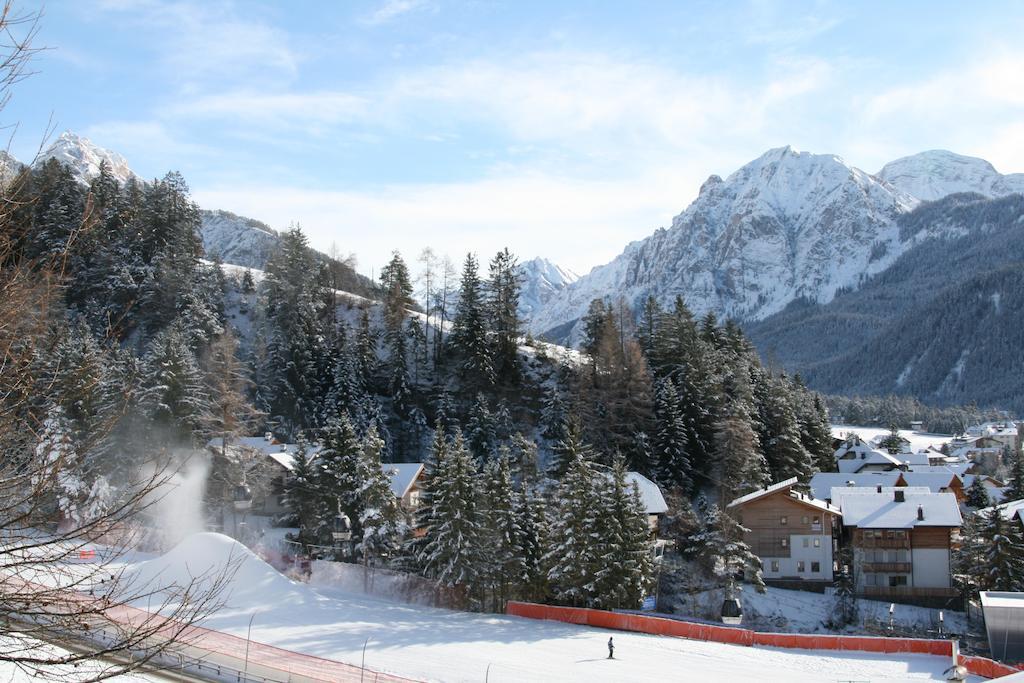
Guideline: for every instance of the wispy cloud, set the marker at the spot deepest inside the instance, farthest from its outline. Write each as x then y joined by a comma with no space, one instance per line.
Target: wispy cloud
392,9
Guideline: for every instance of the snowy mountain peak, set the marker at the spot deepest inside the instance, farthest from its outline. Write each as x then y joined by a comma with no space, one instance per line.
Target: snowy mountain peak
788,224
84,157
542,280
936,173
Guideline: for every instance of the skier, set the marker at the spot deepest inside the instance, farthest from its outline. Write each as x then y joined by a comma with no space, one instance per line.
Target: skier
611,649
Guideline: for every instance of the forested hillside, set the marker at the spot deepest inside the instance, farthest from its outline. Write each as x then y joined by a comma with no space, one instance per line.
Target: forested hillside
941,324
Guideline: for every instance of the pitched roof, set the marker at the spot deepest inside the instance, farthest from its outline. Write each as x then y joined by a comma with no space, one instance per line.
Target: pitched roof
1008,510
402,475
872,510
933,481
793,495
822,483
650,494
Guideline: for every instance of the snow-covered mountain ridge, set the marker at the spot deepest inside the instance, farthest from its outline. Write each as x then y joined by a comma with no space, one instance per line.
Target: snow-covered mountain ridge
937,173
787,225
85,158
542,280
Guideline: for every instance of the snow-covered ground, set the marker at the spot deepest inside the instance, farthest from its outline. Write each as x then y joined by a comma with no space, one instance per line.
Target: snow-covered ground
13,673
918,440
443,645
791,611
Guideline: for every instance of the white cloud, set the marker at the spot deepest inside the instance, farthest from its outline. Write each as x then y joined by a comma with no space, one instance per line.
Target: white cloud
575,222
392,9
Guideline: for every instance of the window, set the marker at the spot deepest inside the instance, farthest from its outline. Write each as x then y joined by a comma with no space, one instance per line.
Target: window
817,543
775,565
870,579
816,519
800,567
815,567
806,542
901,534
804,520
891,534
783,520
785,542
897,581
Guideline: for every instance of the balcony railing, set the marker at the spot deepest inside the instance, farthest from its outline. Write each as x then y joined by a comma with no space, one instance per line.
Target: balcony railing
896,543
913,591
893,567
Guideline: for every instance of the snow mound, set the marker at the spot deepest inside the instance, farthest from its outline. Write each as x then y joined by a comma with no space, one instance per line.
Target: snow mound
203,558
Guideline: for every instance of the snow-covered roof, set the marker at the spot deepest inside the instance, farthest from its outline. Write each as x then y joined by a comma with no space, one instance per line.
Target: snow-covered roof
872,510
822,483
933,481
993,429
650,494
865,457
1007,510
402,475
794,495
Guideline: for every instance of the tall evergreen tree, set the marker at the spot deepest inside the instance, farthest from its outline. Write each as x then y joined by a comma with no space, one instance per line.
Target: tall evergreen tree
503,535
469,335
502,304
573,557
670,443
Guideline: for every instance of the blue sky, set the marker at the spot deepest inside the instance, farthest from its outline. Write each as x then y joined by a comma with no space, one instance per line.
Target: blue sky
560,129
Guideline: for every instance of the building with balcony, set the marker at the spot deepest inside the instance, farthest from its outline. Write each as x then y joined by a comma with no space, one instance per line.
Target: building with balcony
792,533
902,539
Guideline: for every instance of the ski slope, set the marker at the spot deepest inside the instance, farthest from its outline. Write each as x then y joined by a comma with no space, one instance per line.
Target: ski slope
443,645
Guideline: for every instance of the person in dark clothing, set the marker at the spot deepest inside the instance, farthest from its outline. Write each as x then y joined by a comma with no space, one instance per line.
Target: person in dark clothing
611,649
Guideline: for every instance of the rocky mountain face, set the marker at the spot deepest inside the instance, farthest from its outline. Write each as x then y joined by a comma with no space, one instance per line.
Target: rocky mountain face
542,281
236,239
935,174
787,225
941,324
85,158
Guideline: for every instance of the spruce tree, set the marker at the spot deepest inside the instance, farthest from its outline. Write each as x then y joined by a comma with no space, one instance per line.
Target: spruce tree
1015,488
977,495
1002,553
379,513
480,430
339,475
469,335
742,467
573,556
672,460
303,496
452,554
626,566
502,304
720,546
503,534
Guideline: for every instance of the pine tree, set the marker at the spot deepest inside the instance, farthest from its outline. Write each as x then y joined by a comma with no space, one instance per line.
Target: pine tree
379,514
533,539
846,607
503,535
783,448
503,313
626,565
174,396
725,555
1015,489
977,496
452,552
480,430
567,451
302,495
670,445
248,284
1002,553
339,475
573,556
741,465
295,341
469,335
552,416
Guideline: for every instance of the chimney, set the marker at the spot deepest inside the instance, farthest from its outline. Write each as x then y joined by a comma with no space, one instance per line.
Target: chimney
898,496
879,489
920,513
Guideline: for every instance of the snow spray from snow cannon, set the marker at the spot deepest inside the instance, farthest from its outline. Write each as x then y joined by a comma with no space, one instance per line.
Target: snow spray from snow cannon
176,508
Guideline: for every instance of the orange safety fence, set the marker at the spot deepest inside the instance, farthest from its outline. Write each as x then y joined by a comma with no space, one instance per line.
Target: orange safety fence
980,666
723,634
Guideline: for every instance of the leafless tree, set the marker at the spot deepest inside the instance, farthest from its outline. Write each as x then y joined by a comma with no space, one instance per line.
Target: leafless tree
64,578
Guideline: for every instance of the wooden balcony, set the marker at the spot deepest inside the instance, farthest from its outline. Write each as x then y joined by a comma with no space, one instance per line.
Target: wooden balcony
888,567
894,543
905,591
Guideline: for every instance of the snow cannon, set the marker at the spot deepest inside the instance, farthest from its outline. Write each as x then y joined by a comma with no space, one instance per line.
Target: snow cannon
242,498
732,611
957,672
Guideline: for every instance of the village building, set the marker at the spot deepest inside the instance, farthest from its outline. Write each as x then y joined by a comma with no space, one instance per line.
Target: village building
902,540
792,533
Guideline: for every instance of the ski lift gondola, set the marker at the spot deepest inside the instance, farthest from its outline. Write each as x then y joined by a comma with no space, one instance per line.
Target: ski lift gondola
341,529
242,498
732,611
